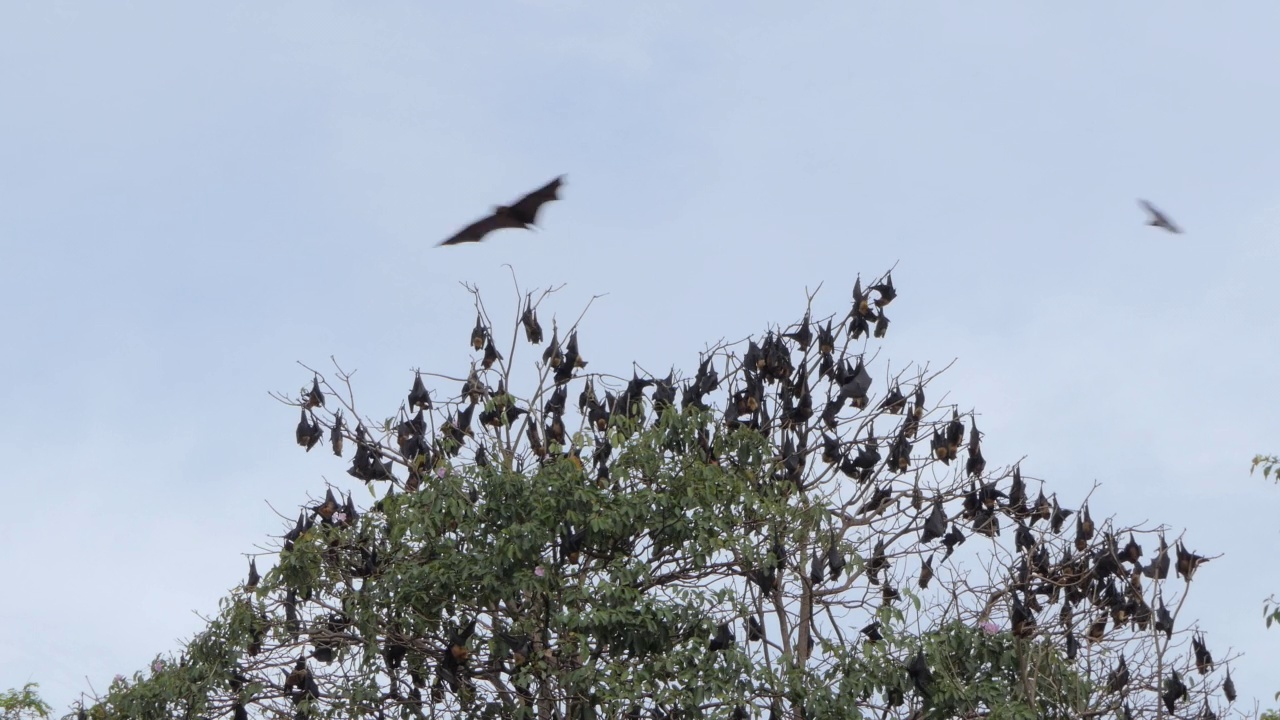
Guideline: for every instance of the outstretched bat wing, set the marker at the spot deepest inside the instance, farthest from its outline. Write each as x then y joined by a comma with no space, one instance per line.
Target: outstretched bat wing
526,208
1159,219
476,231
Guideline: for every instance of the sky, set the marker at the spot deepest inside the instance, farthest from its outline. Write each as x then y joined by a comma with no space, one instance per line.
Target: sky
196,197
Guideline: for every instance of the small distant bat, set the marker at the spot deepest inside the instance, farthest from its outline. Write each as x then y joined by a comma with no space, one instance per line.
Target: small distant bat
1159,219
521,214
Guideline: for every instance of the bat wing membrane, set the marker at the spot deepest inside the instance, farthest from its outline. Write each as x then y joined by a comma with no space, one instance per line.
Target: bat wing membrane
476,231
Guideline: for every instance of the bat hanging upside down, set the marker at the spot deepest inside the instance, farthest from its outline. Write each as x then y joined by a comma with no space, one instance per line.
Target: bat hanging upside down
521,214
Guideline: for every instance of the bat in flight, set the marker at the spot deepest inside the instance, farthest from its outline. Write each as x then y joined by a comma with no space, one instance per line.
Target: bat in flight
521,214
1159,219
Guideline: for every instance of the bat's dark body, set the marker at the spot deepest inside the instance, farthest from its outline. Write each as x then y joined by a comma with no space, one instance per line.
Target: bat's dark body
1159,219
521,214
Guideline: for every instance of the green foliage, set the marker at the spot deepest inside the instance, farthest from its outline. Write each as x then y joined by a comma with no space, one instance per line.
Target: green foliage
973,672
1269,463
23,704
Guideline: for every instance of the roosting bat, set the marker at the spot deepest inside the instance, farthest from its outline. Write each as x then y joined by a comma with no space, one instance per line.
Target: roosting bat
521,214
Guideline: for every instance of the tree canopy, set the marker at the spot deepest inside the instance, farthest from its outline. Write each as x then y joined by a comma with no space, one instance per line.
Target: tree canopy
24,704
790,531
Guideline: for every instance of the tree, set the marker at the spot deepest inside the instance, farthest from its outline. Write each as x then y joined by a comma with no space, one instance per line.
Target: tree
760,538
23,704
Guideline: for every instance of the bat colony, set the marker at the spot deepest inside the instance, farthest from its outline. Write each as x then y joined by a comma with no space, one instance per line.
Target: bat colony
1094,577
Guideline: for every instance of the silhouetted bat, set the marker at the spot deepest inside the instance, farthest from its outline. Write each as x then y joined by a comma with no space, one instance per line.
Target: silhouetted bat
889,593
1132,550
314,398
1229,687
1059,515
936,524
1159,568
926,572
1097,630
253,575
479,333
918,671
1204,659
1159,219
976,463
817,568
532,328
491,355
886,291
335,434
1119,677
458,643
418,396
1024,623
1188,562
328,507
521,214
308,433
1164,621
723,639
951,540
1174,690
803,336
882,325
835,560
664,394
895,402
1084,528
349,509
1022,538
521,646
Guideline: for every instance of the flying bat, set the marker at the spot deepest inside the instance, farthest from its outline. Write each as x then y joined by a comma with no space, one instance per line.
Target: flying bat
521,214
1159,219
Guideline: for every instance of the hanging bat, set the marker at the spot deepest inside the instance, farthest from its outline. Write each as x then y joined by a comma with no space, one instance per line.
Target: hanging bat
1204,659
918,671
1119,677
532,328
936,525
1159,219
521,214
253,575
418,396
1174,690
926,573
723,639
314,398
886,291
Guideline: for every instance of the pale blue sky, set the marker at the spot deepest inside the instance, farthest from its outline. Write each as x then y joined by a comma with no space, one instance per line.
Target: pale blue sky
177,183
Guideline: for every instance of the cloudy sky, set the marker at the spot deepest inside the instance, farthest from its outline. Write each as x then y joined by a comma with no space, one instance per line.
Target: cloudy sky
193,199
